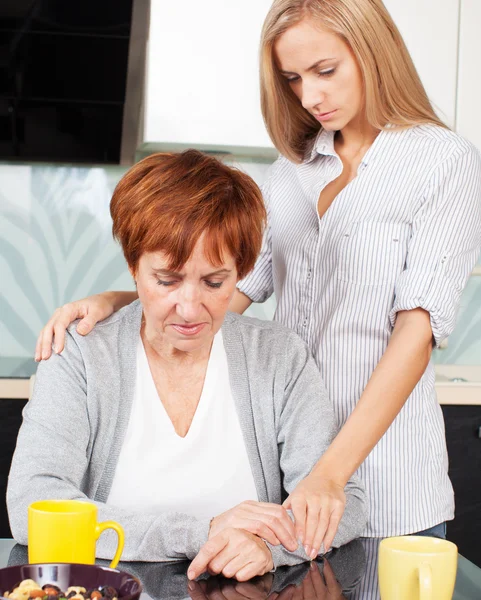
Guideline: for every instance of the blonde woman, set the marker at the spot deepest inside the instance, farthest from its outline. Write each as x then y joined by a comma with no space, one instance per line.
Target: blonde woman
374,226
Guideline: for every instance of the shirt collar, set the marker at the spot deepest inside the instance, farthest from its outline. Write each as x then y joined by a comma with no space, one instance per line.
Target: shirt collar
323,144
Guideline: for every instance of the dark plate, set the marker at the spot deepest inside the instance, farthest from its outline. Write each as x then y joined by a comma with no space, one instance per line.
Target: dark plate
64,575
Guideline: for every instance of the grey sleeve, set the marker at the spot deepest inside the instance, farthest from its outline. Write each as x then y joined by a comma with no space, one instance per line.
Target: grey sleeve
306,427
51,460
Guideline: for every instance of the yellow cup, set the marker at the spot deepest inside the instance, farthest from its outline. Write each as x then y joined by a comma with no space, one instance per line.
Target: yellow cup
66,531
417,568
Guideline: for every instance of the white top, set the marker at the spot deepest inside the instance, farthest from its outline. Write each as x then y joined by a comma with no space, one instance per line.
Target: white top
202,474
405,233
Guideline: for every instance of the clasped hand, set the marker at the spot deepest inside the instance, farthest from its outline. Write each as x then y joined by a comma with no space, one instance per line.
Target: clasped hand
236,546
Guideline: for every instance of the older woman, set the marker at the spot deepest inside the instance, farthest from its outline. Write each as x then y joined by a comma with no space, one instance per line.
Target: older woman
187,425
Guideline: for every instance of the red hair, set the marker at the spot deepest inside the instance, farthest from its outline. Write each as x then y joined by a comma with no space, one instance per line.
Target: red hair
167,201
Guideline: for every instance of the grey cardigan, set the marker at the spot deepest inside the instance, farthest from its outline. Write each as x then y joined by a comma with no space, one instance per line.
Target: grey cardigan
74,425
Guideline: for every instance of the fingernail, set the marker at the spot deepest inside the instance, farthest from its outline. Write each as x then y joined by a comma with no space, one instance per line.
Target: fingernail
190,585
313,566
313,553
37,359
190,574
307,550
54,348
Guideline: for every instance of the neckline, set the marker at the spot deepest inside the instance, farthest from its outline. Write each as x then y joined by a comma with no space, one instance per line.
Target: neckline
206,394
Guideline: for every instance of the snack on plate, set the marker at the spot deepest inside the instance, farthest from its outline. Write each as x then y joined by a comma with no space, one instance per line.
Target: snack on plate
28,589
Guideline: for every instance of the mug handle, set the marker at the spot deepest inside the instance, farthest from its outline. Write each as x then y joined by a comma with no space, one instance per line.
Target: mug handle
101,527
425,582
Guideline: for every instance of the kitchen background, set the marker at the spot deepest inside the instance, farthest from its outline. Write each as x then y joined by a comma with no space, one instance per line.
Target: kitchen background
87,88
56,245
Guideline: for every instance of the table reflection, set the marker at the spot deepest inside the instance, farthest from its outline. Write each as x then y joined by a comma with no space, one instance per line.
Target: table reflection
347,572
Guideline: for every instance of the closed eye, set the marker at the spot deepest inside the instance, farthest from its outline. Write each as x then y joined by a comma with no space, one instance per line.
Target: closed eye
213,284
166,283
327,72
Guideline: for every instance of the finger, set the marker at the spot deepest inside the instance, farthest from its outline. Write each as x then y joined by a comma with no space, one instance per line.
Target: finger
322,526
317,581
257,591
38,347
46,343
331,581
332,529
216,593
195,591
312,522
307,586
236,564
230,591
271,522
59,337
223,558
208,551
259,528
299,510
86,325
250,570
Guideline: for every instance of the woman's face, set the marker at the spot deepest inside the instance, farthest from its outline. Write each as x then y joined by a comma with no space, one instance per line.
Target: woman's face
322,72
184,310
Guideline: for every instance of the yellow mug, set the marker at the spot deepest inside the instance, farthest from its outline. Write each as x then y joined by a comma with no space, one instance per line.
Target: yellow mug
417,568
66,531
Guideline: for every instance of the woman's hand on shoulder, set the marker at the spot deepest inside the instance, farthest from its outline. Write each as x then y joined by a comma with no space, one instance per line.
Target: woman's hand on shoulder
317,504
90,310
266,520
234,553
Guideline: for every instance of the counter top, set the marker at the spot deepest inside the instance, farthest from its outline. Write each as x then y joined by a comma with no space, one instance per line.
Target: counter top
455,384
354,567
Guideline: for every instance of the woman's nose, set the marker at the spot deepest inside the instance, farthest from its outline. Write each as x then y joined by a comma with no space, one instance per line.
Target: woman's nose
311,95
189,304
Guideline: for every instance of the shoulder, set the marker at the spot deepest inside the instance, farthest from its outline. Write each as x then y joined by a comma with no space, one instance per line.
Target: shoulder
126,319
260,336
443,143
279,168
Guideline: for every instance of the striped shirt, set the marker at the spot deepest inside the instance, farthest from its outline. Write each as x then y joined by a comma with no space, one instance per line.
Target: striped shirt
404,233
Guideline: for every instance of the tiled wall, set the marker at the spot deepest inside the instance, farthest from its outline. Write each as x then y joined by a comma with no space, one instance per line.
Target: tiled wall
56,245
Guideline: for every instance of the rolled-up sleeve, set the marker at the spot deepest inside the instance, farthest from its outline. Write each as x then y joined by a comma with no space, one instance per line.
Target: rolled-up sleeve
258,285
445,242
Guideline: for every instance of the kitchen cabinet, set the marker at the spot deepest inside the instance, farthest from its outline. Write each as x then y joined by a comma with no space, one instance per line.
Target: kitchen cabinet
469,81
202,86
463,435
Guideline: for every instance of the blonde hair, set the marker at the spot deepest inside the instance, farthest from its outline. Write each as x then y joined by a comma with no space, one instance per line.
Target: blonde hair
393,92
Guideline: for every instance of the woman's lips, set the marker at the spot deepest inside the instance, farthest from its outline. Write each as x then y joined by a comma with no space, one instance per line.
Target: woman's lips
189,329
325,116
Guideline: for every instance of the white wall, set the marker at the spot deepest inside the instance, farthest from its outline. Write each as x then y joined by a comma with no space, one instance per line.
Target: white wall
430,30
469,83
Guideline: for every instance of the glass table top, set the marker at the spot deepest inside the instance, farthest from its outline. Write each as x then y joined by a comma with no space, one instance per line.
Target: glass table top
349,572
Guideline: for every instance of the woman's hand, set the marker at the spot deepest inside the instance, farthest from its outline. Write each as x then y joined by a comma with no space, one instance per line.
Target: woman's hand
90,310
317,504
268,521
234,553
